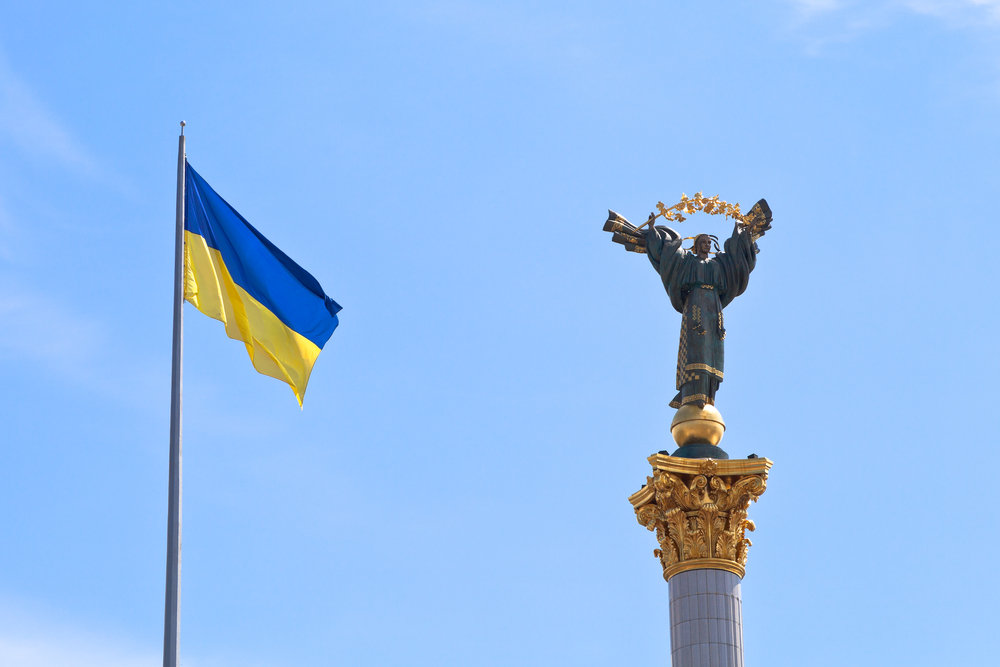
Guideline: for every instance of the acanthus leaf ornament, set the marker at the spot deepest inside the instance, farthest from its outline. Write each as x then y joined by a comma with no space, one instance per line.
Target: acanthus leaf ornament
698,510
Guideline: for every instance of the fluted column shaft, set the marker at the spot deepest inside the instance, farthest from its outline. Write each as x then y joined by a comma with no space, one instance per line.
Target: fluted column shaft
706,619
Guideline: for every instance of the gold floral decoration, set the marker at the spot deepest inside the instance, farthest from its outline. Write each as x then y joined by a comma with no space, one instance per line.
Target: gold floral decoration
712,206
699,513
689,205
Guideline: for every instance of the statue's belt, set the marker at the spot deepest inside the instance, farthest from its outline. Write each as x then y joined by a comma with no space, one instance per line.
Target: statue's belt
691,286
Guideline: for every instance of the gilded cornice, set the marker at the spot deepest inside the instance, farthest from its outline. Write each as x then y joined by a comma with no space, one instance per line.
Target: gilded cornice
698,509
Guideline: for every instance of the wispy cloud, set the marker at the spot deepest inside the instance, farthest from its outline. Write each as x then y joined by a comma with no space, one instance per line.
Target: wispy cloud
537,35
860,13
57,338
27,124
957,11
40,328
29,638
68,652
8,232
31,135
811,8
824,22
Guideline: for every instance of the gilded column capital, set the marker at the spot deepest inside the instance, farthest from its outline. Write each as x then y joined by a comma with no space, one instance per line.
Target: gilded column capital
698,509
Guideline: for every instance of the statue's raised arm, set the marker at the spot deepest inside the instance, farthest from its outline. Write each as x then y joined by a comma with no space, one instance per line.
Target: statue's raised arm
663,248
740,251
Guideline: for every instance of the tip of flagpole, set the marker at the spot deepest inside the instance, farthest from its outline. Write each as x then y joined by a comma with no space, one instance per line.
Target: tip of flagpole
182,127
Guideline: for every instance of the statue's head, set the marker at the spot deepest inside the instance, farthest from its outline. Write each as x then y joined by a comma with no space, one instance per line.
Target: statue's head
702,245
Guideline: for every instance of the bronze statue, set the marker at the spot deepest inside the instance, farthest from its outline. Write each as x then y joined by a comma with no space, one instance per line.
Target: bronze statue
699,287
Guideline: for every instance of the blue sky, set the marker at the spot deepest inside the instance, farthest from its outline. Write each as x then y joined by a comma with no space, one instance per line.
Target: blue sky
454,492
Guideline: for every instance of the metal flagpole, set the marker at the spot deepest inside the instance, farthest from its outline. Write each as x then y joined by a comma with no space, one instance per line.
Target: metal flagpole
171,614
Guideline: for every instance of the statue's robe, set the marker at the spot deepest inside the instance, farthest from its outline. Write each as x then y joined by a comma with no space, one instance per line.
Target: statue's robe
699,289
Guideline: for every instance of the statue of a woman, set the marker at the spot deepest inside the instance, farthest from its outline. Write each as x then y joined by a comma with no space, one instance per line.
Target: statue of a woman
699,288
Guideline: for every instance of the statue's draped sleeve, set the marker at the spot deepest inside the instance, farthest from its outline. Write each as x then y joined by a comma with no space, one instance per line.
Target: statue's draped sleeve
737,261
663,248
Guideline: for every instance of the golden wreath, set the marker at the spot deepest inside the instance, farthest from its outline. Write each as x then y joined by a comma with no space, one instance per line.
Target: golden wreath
755,219
709,205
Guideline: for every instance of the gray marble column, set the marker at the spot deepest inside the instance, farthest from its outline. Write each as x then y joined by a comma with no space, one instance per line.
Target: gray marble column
706,619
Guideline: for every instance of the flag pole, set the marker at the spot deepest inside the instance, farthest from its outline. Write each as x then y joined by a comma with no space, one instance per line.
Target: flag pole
171,615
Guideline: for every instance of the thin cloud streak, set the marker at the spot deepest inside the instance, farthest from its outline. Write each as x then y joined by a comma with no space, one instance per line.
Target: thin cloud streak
68,652
38,328
822,22
30,637
8,232
859,13
536,36
58,341
810,8
26,123
959,12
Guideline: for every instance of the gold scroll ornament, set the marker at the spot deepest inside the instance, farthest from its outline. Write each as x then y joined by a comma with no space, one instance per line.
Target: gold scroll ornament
698,509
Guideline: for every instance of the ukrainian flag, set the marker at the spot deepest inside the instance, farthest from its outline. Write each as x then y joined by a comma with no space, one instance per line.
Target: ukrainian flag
235,275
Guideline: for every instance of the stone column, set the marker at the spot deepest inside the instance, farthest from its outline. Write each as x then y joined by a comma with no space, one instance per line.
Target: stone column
698,510
706,619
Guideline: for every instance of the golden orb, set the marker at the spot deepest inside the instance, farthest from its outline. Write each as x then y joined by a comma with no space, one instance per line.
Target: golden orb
697,426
